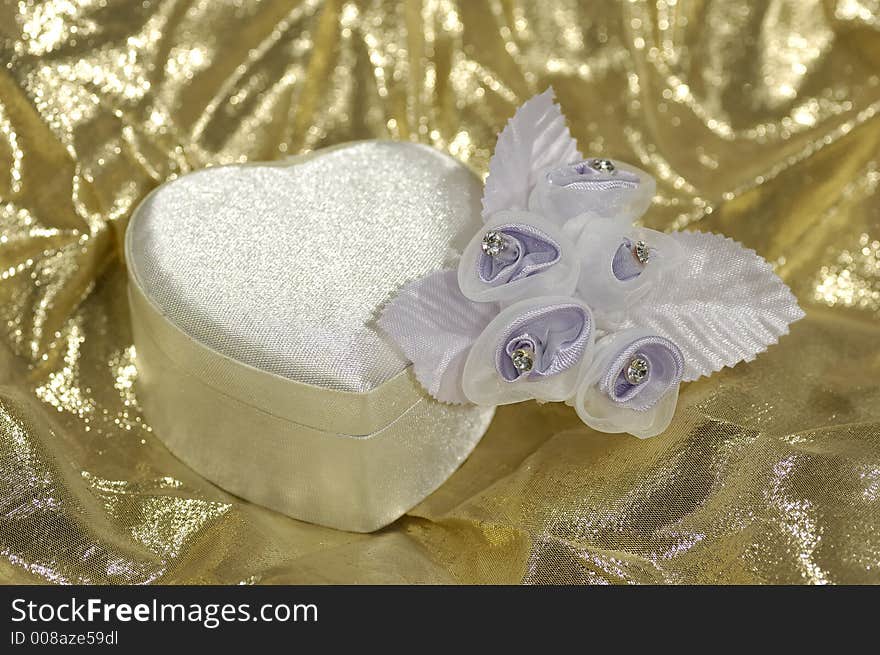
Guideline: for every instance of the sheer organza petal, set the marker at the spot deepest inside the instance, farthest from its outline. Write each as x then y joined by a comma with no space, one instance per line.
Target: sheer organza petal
600,411
484,384
545,275
563,192
610,286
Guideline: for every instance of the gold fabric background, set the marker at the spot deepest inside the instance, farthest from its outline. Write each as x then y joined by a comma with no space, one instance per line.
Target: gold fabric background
759,120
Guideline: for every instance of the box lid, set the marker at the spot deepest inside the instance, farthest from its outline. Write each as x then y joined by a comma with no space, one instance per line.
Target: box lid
283,266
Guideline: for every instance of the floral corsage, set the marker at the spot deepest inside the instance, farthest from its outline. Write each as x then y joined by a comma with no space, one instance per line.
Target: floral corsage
560,297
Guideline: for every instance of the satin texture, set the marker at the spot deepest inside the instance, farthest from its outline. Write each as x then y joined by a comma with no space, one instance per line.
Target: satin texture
296,292
759,120
240,374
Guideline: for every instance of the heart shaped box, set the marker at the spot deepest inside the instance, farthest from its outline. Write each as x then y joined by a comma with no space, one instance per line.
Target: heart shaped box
254,291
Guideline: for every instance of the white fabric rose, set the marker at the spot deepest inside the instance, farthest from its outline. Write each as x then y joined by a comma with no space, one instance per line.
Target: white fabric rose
517,255
533,349
631,385
619,263
597,187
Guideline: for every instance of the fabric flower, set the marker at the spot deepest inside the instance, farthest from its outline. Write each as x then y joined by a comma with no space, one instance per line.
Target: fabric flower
517,254
532,349
619,263
631,384
558,263
600,188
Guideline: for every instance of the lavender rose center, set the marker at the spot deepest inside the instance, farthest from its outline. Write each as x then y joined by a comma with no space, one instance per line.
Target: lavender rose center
585,176
556,336
527,251
665,365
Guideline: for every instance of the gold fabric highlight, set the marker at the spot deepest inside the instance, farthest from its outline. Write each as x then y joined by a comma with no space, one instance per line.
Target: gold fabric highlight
759,120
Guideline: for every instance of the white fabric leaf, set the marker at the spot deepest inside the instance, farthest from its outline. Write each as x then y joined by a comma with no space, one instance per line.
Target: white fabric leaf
536,138
723,305
435,326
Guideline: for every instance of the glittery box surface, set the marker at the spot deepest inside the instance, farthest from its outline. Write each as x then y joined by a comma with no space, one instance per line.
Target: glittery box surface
254,292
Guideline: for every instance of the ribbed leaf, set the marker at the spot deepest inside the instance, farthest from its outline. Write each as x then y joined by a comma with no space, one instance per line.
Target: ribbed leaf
435,325
722,306
535,138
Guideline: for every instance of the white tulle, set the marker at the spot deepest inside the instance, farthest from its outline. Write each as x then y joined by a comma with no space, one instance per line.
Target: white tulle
723,304
620,204
483,385
598,244
535,139
558,279
597,410
435,326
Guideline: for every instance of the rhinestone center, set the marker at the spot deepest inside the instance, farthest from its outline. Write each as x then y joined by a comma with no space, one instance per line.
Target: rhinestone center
637,370
603,165
523,359
493,243
641,252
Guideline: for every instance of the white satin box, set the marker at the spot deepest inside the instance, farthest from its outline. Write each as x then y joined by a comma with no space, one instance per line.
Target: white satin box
254,291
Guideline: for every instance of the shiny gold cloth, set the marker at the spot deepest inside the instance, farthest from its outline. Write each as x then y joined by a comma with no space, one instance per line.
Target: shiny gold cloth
759,120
